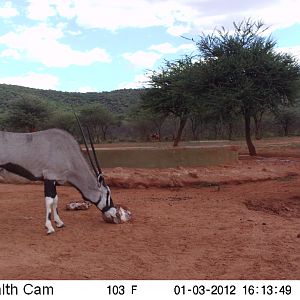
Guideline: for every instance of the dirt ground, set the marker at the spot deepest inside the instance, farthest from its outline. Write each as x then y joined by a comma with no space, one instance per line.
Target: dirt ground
224,222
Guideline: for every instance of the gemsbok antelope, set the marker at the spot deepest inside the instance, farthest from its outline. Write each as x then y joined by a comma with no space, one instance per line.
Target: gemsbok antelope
54,156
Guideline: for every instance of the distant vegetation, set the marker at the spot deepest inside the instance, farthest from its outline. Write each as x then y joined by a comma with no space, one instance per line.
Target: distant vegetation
236,86
236,75
106,113
118,101
134,124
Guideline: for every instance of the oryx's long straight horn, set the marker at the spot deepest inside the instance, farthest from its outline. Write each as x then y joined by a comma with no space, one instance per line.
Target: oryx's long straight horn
86,145
94,152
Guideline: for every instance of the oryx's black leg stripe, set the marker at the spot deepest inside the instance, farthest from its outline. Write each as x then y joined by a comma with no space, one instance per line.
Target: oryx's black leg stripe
111,202
49,216
50,188
107,199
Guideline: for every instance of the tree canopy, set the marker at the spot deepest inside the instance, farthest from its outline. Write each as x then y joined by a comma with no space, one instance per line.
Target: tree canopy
98,119
30,113
246,74
236,73
172,91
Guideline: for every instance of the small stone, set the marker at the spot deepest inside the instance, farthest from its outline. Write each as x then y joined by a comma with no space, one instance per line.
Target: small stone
78,205
218,188
264,223
298,235
193,174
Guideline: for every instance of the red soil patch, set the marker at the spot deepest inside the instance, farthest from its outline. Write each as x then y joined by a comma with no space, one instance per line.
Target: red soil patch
212,228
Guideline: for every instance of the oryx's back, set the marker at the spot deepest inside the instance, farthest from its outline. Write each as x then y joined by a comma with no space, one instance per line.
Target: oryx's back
54,151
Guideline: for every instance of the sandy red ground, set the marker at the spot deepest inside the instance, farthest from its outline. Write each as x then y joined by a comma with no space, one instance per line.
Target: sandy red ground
231,229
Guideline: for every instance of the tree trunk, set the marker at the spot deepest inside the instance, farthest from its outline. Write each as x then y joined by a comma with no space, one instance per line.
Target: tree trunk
230,130
180,130
159,125
196,123
251,148
159,133
216,130
258,125
286,129
104,132
194,129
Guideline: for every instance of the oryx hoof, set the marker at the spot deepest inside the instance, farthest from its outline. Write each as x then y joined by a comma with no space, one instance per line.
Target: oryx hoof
59,225
50,230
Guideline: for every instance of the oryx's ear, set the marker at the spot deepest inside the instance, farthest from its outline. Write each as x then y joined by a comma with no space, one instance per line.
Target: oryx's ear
101,179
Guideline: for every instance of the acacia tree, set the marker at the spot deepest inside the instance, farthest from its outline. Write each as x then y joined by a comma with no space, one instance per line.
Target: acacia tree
63,120
28,114
197,119
146,121
172,91
98,119
285,119
243,69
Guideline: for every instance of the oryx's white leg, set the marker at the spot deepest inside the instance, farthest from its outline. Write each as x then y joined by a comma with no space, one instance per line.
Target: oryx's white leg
49,204
59,223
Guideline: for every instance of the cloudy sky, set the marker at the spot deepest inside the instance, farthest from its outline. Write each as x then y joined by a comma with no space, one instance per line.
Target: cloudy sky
103,45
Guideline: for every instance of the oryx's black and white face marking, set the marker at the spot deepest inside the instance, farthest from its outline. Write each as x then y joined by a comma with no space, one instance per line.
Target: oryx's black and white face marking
105,201
111,213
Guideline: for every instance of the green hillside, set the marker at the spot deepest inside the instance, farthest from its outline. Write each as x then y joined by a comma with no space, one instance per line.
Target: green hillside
117,101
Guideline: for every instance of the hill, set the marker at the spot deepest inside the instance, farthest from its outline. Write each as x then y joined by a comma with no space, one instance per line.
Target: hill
117,101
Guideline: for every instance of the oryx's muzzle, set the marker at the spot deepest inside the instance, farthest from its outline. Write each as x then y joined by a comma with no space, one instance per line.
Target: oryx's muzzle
117,215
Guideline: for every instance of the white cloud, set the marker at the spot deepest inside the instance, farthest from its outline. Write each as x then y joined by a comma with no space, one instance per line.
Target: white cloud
115,15
74,32
41,44
139,81
142,59
33,80
147,59
167,48
295,51
279,14
10,53
178,30
40,10
177,16
8,11
66,8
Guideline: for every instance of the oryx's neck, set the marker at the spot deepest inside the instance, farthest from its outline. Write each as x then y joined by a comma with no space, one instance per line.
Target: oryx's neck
86,182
